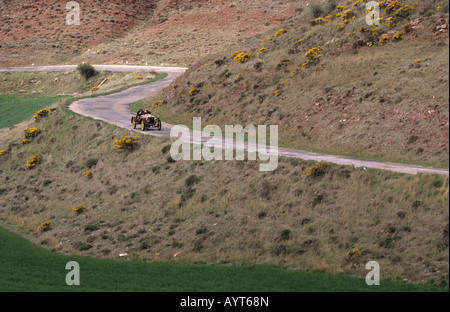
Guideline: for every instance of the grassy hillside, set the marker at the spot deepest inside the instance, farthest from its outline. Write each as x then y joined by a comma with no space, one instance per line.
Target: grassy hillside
328,80
23,267
141,203
333,83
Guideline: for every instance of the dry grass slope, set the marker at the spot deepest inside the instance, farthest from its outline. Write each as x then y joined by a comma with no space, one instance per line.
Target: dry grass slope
138,202
351,97
388,100
133,31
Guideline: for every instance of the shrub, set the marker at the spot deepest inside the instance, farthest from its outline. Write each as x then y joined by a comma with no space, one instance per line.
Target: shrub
91,162
283,63
354,252
391,21
83,247
347,15
316,10
258,66
285,234
319,169
331,5
438,183
194,91
262,50
145,244
126,143
166,149
385,242
171,160
33,162
86,70
219,62
340,8
398,36
91,227
412,139
404,11
242,57
32,133
280,32
40,114
201,230
407,27
158,104
191,180
80,209
44,226
113,190
313,56
319,20
262,214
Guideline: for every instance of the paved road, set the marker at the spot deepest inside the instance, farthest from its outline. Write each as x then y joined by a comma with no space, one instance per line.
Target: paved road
115,109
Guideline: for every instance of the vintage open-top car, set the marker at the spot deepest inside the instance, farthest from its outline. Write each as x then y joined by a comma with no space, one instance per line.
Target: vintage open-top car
146,121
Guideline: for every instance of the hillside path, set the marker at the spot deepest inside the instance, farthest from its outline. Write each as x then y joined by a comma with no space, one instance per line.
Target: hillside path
115,109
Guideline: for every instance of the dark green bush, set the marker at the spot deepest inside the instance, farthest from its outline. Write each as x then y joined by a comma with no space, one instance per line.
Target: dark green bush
285,234
331,5
91,227
87,70
193,179
91,162
316,10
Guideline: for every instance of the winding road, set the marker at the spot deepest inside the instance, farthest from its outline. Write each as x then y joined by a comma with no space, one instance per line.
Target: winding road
115,109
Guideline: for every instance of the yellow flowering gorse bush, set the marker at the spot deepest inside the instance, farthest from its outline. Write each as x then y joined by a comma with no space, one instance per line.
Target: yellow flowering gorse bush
194,91
44,226
80,209
126,143
32,133
33,162
40,114
318,169
280,32
158,104
242,57
354,252
262,50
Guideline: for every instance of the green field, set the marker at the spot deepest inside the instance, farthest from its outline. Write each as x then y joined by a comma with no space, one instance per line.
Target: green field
15,109
24,267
